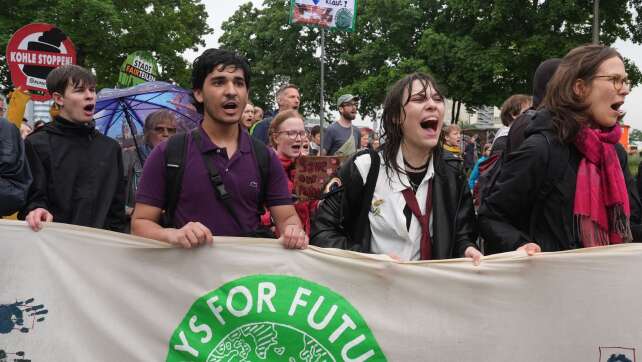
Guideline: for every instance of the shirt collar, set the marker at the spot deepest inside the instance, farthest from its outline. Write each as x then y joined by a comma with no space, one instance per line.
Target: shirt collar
244,141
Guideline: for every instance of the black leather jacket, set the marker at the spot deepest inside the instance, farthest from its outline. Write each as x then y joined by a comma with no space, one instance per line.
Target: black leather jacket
342,218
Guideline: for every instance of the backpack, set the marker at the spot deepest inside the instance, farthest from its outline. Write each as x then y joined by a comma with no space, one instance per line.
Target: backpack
174,170
490,169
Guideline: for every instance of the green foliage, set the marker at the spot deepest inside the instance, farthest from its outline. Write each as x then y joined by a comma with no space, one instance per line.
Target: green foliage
635,135
480,51
104,32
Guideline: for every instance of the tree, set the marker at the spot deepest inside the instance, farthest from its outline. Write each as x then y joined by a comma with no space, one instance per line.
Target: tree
104,32
480,51
635,135
485,51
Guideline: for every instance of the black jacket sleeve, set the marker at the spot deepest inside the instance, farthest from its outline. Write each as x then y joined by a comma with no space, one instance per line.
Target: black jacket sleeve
115,220
328,224
465,221
38,196
504,213
15,175
326,229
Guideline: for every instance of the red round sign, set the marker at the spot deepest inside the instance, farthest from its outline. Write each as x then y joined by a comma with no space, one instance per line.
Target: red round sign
33,51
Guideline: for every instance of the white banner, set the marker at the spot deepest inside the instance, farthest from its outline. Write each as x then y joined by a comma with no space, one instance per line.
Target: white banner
335,14
76,294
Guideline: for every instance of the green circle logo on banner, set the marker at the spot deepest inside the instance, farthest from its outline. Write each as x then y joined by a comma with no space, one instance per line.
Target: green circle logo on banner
273,318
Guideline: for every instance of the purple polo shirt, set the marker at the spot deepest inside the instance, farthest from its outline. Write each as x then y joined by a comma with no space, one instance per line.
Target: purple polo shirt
197,200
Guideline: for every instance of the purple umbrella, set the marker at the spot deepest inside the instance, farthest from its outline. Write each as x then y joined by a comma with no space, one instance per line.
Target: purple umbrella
121,113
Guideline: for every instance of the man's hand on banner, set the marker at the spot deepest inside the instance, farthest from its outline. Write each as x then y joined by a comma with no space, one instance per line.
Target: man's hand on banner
530,249
36,217
193,234
473,253
294,237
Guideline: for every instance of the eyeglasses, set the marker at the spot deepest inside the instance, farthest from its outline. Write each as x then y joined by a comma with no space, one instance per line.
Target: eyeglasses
618,81
160,129
350,104
292,134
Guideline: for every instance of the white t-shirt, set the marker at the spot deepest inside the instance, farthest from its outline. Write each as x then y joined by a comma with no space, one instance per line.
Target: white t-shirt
387,220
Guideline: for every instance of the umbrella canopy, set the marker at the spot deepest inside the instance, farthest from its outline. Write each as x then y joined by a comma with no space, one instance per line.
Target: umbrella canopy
121,113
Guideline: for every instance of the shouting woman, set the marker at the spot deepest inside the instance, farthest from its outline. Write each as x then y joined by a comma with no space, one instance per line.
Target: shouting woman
568,185
404,200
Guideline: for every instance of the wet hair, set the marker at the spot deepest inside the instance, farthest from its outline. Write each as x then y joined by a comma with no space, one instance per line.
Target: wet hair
568,108
212,59
394,114
278,120
512,107
153,119
59,78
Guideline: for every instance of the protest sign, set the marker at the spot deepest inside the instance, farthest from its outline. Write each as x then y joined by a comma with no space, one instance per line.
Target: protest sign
312,173
139,67
333,14
34,51
70,293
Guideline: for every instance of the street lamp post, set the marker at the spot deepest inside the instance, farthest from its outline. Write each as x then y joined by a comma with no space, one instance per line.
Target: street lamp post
596,22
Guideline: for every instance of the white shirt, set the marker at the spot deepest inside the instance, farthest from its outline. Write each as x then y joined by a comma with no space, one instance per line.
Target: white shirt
387,220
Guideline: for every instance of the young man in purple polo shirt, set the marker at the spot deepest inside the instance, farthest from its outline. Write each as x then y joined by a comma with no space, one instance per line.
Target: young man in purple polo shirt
220,81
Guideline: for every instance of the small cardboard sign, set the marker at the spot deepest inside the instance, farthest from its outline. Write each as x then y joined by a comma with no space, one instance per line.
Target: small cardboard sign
34,51
312,173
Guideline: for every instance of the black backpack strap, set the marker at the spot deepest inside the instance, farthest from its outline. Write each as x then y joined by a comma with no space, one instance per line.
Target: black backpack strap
217,181
367,193
263,160
558,158
174,169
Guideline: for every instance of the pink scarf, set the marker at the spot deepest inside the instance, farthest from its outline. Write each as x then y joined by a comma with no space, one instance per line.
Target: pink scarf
601,207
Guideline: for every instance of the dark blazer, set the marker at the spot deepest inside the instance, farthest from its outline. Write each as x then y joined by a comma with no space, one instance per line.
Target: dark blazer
342,218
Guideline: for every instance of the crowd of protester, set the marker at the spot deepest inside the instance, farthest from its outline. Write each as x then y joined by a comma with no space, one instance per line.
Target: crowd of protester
553,178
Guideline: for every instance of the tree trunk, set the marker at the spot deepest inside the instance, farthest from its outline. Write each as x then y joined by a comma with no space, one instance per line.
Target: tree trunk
458,110
452,113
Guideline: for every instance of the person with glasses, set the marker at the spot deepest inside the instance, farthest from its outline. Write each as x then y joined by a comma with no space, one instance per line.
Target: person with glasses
568,186
342,138
287,136
159,126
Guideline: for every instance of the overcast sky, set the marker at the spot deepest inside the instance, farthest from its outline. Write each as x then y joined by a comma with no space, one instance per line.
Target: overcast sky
220,10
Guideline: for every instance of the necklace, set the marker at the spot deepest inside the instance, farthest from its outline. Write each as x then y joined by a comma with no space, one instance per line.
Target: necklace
416,169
